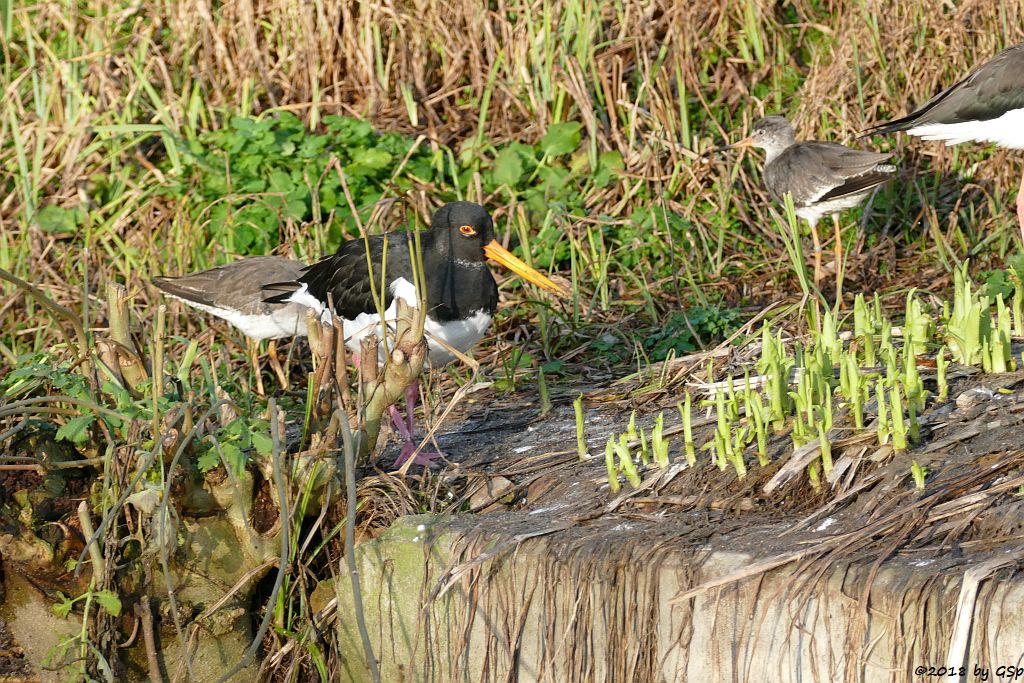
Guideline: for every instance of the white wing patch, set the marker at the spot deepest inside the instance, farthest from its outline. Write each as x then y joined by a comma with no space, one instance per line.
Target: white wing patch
1005,131
303,297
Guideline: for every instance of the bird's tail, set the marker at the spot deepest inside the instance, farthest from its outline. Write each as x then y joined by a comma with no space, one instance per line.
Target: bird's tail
284,289
175,288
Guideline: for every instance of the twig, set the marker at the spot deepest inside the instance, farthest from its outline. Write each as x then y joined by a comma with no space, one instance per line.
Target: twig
95,556
148,639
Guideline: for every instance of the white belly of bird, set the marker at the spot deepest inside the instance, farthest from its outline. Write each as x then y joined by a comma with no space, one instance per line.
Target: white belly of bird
282,321
812,214
461,335
1005,131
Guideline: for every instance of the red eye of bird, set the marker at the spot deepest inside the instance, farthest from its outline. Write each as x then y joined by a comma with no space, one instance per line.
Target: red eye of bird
467,230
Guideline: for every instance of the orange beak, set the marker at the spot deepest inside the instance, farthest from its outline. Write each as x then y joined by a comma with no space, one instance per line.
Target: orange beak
507,259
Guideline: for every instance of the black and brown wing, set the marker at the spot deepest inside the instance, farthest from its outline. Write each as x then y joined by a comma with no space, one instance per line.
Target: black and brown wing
346,277
988,92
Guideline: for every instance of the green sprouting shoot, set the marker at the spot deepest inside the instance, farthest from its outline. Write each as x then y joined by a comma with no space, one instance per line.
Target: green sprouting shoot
860,317
1018,302
826,450
626,464
748,392
814,473
581,442
855,388
775,365
723,432
826,413
914,427
609,461
883,413
892,368
658,443
719,445
687,412
645,456
864,329
779,396
631,427
912,381
885,345
1001,355
899,426
918,327
969,322
986,356
845,384
828,338
799,433
918,472
733,404
940,372
757,409
738,446
764,363
808,386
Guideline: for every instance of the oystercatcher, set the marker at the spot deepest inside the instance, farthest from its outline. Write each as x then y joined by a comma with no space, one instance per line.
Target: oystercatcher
986,106
235,293
460,293
824,178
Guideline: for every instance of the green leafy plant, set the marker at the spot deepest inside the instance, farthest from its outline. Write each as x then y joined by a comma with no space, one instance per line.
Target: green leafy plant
105,599
245,179
677,332
238,436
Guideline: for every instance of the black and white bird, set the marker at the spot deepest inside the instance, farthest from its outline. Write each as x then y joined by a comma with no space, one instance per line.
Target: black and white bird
986,106
460,293
235,293
824,178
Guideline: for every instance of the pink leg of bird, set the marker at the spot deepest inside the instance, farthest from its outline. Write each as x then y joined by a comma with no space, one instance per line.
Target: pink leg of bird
1020,206
405,429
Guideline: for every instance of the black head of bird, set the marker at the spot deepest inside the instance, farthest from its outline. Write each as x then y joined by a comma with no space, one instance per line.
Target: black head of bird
465,232
462,230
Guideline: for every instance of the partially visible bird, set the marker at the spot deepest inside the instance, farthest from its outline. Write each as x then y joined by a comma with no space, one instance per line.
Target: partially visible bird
986,106
824,178
235,293
460,293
